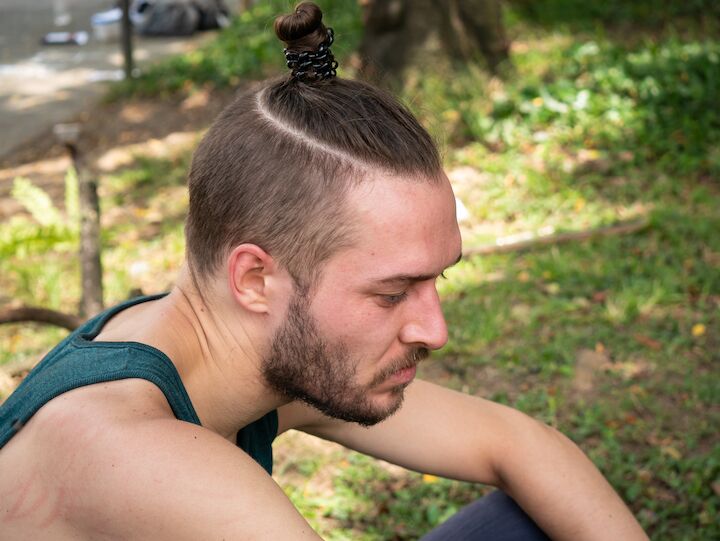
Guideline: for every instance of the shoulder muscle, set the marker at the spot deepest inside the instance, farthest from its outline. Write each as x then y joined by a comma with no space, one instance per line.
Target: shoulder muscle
172,480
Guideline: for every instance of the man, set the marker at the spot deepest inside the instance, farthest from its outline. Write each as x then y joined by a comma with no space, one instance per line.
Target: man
123,467
320,220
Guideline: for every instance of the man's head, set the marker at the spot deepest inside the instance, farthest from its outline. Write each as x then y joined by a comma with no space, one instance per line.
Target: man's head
337,184
276,166
351,347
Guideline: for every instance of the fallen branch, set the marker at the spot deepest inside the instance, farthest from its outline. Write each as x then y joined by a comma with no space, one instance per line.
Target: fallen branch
35,314
23,314
530,241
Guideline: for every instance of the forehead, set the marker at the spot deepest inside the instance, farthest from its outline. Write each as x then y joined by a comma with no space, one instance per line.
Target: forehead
402,226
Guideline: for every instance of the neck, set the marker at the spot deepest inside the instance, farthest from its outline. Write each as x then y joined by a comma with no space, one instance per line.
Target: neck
218,352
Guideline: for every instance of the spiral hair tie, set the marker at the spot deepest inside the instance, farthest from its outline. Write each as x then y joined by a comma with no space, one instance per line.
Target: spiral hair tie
311,66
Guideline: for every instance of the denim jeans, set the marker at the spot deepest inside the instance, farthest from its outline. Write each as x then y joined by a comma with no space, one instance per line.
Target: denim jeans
496,517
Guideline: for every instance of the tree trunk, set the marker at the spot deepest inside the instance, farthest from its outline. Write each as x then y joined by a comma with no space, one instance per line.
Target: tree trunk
403,33
90,264
127,45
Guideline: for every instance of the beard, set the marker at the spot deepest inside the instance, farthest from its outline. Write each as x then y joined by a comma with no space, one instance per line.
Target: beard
305,366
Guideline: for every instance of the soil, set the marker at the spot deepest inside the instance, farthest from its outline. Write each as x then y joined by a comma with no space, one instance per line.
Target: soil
104,127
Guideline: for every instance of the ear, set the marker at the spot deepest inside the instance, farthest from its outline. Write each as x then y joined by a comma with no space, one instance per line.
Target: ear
250,270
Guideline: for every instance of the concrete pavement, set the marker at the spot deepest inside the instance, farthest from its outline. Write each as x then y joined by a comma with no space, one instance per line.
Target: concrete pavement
43,85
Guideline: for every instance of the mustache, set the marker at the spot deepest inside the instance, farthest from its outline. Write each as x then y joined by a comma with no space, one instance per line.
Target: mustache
416,355
412,358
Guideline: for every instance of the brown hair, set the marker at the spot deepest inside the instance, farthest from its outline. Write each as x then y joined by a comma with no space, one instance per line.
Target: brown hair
275,167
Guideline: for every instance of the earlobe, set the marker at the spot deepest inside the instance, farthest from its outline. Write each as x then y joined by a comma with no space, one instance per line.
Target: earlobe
249,270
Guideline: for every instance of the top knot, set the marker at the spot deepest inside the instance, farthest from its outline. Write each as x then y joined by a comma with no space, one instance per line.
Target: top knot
308,43
299,28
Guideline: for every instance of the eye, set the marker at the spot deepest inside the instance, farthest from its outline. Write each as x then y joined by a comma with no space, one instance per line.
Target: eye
392,300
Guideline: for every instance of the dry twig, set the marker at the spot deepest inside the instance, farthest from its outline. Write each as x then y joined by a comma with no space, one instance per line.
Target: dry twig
501,247
20,314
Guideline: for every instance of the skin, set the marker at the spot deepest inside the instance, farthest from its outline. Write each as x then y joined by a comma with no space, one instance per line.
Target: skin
310,366
122,467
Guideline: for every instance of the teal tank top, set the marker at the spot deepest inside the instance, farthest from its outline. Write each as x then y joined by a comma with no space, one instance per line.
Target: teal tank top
78,361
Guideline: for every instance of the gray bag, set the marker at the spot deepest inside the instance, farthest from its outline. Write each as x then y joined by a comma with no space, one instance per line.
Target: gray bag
164,17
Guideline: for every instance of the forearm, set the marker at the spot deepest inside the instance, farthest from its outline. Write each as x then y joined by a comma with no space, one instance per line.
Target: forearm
558,486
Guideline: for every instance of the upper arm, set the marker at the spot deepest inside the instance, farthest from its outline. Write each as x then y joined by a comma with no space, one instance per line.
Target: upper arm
436,431
177,481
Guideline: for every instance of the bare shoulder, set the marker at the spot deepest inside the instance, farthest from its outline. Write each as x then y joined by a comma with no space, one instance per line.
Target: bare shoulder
137,472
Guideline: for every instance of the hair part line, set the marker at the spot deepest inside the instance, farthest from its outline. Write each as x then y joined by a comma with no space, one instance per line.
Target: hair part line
304,138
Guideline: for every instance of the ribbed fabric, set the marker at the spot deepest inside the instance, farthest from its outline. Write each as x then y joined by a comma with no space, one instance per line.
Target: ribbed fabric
78,361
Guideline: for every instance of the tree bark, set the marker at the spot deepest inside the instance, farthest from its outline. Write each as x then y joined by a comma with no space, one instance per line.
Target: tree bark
90,263
403,33
127,45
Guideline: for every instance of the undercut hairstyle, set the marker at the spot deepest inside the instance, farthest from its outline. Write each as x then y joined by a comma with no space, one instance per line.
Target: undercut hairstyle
276,166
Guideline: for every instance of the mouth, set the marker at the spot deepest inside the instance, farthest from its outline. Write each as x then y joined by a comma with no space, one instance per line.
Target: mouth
403,371
404,375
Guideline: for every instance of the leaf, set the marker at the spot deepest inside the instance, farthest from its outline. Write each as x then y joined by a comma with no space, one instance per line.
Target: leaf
698,330
433,514
671,451
36,201
589,364
629,370
521,312
648,342
553,288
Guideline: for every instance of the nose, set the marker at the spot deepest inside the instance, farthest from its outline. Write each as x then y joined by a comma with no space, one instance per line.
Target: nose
425,321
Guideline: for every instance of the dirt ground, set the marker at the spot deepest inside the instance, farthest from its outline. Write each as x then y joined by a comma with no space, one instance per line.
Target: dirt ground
139,123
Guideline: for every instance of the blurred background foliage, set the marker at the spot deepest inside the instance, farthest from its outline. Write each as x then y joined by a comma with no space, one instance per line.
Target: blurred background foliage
611,14
609,112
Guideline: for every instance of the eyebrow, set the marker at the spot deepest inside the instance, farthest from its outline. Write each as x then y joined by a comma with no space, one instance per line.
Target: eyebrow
412,278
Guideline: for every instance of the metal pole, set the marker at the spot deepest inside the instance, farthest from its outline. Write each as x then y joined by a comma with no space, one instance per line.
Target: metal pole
127,38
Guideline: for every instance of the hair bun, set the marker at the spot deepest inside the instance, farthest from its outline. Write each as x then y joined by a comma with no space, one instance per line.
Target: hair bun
302,30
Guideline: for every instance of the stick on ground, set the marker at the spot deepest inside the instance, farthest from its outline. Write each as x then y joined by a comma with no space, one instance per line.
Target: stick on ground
36,314
500,247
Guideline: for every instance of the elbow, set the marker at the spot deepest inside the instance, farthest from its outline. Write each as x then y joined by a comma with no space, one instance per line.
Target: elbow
527,444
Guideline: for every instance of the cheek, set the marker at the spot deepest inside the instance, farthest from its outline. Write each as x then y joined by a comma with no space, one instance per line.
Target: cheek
365,328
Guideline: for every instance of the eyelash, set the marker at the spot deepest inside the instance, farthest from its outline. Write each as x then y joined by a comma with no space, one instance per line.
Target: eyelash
392,300
395,299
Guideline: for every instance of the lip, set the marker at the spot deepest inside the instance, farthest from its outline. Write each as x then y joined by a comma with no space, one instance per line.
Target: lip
404,376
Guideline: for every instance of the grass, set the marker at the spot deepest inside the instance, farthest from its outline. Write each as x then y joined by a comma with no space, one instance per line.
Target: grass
588,130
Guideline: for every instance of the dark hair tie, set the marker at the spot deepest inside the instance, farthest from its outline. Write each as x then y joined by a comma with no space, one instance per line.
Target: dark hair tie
310,66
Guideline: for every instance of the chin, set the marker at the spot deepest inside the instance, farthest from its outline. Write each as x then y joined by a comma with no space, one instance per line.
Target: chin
389,402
